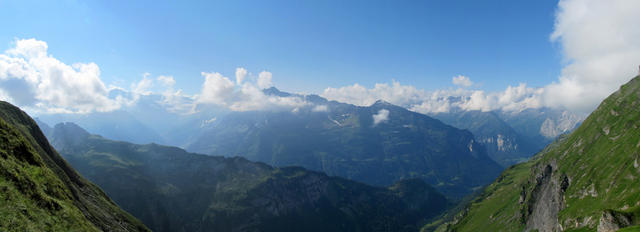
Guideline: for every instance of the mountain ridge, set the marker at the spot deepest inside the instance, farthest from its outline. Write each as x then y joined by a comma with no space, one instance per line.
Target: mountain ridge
172,190
40,191
345,140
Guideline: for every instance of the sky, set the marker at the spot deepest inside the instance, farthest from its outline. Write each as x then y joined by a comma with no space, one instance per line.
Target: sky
507,55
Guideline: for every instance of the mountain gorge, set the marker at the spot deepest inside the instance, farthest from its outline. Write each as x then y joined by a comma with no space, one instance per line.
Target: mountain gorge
39,191
378,145
585,181
512,137
170,189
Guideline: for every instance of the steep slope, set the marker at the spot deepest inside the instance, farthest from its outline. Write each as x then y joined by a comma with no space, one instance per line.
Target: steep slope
172,190
345,140
503,143
586,181
40,192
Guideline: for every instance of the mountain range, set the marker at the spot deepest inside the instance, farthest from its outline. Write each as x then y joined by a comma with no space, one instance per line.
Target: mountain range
378,144
584,181
170,189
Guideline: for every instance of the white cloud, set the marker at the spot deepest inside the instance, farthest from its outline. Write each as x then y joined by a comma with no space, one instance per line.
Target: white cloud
511,99
320,108
462,81
241,73
601,47
167,81
33,79
359,95
381,116
216,89
220,90
264,80
142,87
600,43
598,40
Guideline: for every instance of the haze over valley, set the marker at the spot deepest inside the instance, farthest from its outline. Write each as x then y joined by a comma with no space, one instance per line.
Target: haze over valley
320,116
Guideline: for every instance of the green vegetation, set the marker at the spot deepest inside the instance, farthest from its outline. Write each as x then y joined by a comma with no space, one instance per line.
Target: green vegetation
576,181
630,229
38,192
170,189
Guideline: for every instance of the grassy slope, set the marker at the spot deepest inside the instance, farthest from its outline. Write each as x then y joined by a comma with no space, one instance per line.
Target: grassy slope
600,158
39,192
32,198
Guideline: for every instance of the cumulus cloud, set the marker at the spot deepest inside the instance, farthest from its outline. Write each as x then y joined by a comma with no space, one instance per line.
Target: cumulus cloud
142,87
32,78
35,80
513,98
359,95
381,116
167,81
599,40
241,73
600,43
220,90
264,80
462,81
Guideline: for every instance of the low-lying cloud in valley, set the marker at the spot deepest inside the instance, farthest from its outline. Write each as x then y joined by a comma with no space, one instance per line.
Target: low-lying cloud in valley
380,117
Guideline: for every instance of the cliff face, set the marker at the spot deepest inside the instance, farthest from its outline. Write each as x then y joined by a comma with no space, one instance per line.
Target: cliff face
587,180
546,199
41,192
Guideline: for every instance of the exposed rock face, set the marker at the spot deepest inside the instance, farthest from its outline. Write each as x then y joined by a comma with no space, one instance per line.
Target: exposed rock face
612,221
551,128
546,200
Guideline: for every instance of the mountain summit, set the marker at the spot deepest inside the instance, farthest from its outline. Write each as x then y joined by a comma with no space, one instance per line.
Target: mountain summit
378,145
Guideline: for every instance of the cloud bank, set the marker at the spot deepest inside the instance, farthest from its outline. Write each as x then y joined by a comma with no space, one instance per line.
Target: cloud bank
599,41
33,79
221,91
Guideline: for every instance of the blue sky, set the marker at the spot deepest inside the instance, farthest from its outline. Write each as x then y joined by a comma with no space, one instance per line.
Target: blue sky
307,45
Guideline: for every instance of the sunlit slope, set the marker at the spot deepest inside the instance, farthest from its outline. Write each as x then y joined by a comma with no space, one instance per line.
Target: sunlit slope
587,181
40,192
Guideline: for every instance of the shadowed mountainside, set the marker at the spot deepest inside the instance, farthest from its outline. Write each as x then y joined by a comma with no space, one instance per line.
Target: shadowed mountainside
172,190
